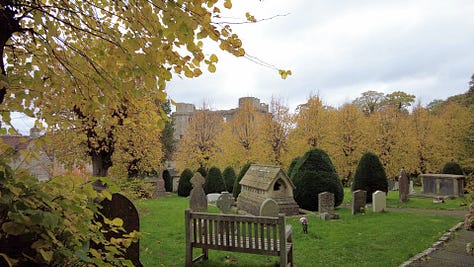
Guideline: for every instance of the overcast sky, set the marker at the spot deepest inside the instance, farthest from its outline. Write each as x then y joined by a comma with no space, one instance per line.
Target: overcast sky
340,49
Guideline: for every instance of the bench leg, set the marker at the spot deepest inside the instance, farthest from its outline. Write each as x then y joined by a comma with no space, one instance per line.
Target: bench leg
189,256
205,254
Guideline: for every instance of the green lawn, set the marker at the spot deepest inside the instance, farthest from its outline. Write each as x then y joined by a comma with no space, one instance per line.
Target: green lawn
374,239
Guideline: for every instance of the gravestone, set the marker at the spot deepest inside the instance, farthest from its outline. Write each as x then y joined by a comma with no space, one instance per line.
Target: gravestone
412,188
213,197
403,185
269,207
326,202
121,207
225,202
359,198
160,187
379,201
391,184
197,196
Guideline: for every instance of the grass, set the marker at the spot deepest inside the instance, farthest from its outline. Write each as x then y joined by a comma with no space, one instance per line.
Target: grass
374,239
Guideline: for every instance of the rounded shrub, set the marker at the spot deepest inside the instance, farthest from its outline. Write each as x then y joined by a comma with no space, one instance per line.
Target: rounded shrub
237,186
314,173
184,185
214,181
202,171
292,166
452,168
168,181
229,178
370,176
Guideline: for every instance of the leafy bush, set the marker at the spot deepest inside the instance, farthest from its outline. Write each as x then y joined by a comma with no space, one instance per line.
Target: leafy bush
52,224
229,178
237,186
370,176
452,168
314,173
214,181
185,186
202,171
168,181
137,188
292,166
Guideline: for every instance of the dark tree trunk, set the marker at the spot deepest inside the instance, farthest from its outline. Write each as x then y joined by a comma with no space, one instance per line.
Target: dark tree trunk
101,162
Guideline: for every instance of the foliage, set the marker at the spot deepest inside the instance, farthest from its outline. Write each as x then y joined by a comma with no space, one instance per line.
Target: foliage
237,186
452,168
214,181
314,174
369,102
202,171
198,147
167,134
168,181
229,178
185,186
292,166
136,188
51,224
370,176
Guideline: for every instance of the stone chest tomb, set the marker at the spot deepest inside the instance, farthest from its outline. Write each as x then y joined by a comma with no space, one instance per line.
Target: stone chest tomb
263,182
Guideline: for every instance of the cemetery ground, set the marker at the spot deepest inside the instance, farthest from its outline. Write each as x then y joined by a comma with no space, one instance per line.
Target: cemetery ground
371,239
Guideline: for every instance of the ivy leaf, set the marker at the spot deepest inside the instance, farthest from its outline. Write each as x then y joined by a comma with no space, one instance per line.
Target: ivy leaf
13,228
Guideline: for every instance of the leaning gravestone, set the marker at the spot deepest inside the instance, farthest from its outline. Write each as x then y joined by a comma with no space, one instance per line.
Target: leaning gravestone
269,207
379,201
359,198
326,202
197,196
121,207
225,202
403,186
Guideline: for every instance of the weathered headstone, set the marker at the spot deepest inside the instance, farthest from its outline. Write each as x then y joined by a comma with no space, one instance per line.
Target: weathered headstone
359,198
160,187
213,197
121,207
391,184
412,188
325,202
197,196
269,207
225,202
403,184
379,201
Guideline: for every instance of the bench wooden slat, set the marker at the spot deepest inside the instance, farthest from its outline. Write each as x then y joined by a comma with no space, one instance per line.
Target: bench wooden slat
239,233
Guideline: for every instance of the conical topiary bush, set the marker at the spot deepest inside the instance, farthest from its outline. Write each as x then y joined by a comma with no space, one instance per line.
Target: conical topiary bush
214,181
370,176
184,185
229,178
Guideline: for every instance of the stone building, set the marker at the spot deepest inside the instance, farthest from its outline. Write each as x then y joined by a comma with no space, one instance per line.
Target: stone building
184,111
263,182
24,154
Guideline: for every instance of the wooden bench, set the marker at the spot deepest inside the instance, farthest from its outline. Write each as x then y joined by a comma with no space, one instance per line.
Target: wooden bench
238,233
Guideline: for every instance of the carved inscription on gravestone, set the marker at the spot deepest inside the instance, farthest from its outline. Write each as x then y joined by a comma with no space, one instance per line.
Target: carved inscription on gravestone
359,198
326,202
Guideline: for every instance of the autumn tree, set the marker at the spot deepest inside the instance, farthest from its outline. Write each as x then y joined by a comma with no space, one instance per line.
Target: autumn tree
350,140
400,100
199,146
90,54
312,128
369,101
241,140
275,130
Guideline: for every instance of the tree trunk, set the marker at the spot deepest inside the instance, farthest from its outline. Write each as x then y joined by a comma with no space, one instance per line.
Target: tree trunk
101,162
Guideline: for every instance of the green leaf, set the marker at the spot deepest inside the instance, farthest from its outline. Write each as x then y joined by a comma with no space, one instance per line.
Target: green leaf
13,228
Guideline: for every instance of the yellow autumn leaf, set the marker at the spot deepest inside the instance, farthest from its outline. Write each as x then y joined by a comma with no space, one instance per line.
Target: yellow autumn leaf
211,68
228,4
213,58
117,222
